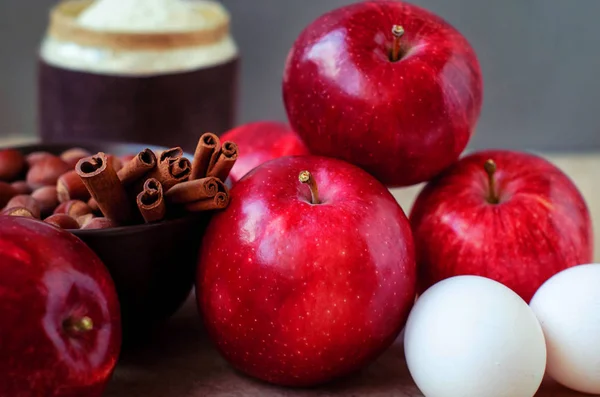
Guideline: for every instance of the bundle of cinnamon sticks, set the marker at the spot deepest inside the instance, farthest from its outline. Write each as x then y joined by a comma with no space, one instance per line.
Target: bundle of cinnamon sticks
151,185
78,190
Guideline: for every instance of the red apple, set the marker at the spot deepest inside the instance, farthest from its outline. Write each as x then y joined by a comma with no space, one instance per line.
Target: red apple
402,114
297,290
509,216
60,331
260,142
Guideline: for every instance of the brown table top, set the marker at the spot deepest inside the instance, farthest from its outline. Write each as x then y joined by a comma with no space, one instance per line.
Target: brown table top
181,362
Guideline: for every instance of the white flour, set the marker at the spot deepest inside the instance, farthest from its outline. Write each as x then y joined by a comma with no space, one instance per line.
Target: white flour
149,15
135,16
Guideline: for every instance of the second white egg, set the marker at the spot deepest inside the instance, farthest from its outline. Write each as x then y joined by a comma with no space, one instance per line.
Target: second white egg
568,307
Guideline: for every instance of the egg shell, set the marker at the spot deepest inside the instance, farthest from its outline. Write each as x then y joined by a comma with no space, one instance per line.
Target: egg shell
568,308
470,336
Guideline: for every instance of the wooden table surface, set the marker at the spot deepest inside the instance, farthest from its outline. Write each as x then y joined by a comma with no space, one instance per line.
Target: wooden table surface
180,361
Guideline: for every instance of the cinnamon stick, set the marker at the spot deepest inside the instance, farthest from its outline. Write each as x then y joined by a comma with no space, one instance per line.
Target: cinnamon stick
137,167
207,152
198,189
171,155
104,186
225,162
220,201
151,201
71,187
170,172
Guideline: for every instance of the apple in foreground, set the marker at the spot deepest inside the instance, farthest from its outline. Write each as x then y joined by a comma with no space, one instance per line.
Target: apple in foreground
260,142
509,216
309,274
385,85
60,332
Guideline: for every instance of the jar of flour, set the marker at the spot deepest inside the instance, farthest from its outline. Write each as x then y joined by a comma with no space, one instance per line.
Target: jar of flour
154,71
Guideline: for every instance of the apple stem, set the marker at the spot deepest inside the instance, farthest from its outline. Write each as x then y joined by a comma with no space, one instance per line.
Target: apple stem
398,32
307,178
78,325
490,169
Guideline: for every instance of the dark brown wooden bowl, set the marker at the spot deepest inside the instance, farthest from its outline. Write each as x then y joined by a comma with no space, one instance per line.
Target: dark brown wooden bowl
152,265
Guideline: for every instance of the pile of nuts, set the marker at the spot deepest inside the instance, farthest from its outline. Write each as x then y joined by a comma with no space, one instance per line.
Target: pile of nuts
33,185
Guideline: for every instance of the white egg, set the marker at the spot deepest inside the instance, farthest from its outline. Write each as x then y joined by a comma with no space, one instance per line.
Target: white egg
470,336
568,308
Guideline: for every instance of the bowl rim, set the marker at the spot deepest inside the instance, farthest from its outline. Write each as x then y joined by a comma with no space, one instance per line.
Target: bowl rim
46,146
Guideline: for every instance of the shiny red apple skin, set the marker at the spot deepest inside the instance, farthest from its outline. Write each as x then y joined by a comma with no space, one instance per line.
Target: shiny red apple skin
541,225
298,294
46,276
261,141
401,121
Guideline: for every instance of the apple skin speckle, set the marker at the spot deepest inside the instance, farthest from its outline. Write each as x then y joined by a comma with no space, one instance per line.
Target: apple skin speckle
296,293
402,121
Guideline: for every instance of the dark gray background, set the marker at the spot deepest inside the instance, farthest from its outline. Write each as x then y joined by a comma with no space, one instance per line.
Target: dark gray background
540,59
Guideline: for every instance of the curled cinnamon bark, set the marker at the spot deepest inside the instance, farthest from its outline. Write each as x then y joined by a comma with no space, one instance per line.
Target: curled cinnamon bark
219,202
171,155
171,171
225,162
151,201
104,186
198,189
71,187
207,152
136,168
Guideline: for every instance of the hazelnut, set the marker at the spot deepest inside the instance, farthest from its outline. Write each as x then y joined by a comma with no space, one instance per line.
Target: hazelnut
116,162
12,164
98,223
7,192
25,201
21,187
74,208
72,156
47,199
63,221
35,157
71,187
83,219
93,204
17,211
46,172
